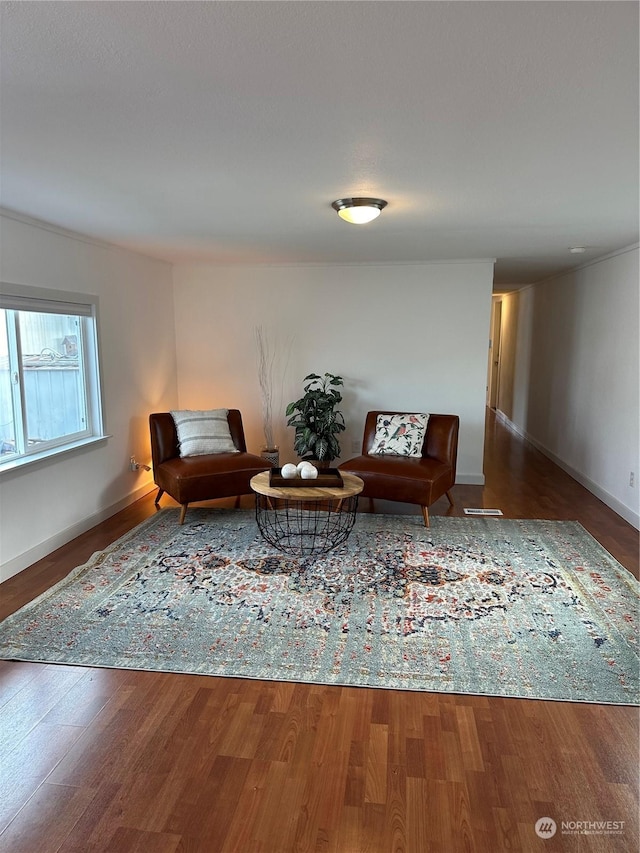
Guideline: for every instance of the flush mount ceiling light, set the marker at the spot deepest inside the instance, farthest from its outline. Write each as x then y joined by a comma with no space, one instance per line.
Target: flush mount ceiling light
577,250
358,210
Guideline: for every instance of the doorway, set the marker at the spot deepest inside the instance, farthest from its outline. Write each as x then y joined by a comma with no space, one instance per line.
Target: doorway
493,378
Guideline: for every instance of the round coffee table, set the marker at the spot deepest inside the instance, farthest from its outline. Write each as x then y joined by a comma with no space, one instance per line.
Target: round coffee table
306,520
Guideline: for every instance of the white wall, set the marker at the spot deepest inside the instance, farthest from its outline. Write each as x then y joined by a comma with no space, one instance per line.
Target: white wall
407,337
570,376
44,505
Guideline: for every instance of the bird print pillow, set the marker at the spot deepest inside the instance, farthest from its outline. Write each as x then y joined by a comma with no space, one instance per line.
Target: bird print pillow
399,435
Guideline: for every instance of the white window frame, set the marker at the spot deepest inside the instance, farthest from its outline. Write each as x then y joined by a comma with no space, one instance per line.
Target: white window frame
15,297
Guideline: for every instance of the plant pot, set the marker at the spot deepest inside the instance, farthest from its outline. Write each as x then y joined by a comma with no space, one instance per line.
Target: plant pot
271,454
321,464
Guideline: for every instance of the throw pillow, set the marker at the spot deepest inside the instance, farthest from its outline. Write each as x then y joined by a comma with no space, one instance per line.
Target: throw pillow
201,432
399,435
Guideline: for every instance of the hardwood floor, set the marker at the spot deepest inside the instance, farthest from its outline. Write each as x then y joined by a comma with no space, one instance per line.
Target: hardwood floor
112,760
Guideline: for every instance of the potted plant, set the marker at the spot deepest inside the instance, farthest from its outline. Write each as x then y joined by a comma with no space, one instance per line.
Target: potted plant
315,418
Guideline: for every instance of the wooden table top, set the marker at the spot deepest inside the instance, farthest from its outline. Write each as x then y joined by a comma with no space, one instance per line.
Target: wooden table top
352,486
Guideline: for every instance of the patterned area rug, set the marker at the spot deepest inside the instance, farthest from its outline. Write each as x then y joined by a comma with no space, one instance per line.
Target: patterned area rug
486,606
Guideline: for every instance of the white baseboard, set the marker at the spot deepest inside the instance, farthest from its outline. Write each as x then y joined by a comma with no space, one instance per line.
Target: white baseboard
27,558
470,479
612,502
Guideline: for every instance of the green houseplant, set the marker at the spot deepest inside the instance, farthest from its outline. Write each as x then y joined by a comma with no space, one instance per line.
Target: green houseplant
315,418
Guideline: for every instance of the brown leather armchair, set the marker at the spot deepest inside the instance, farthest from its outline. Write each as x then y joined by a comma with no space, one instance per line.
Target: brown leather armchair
417,480
200,478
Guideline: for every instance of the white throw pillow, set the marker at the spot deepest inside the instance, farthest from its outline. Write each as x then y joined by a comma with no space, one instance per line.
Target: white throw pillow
399,435
202,432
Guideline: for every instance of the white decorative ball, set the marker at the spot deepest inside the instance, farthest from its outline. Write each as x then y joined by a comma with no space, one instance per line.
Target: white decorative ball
309,472
304,464
289,471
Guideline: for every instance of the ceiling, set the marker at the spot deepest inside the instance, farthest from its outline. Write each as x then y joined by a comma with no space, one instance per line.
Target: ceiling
222,131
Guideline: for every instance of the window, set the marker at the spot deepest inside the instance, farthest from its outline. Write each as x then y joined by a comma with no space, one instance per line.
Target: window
49,378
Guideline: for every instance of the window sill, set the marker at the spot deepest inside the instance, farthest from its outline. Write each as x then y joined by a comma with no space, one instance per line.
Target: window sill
51,455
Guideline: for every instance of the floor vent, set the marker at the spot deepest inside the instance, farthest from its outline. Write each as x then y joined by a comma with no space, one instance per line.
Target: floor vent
474,511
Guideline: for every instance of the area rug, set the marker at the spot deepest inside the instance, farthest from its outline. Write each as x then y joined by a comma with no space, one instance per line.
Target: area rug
484,606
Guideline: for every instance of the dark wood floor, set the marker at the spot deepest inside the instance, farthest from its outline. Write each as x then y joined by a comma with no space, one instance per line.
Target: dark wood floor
110,760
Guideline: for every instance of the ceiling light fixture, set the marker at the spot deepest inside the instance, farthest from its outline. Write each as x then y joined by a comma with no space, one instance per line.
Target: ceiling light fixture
358,210
577,250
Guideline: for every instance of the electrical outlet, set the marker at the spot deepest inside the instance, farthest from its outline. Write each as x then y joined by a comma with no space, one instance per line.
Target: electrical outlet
632,479
355,446
137,466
